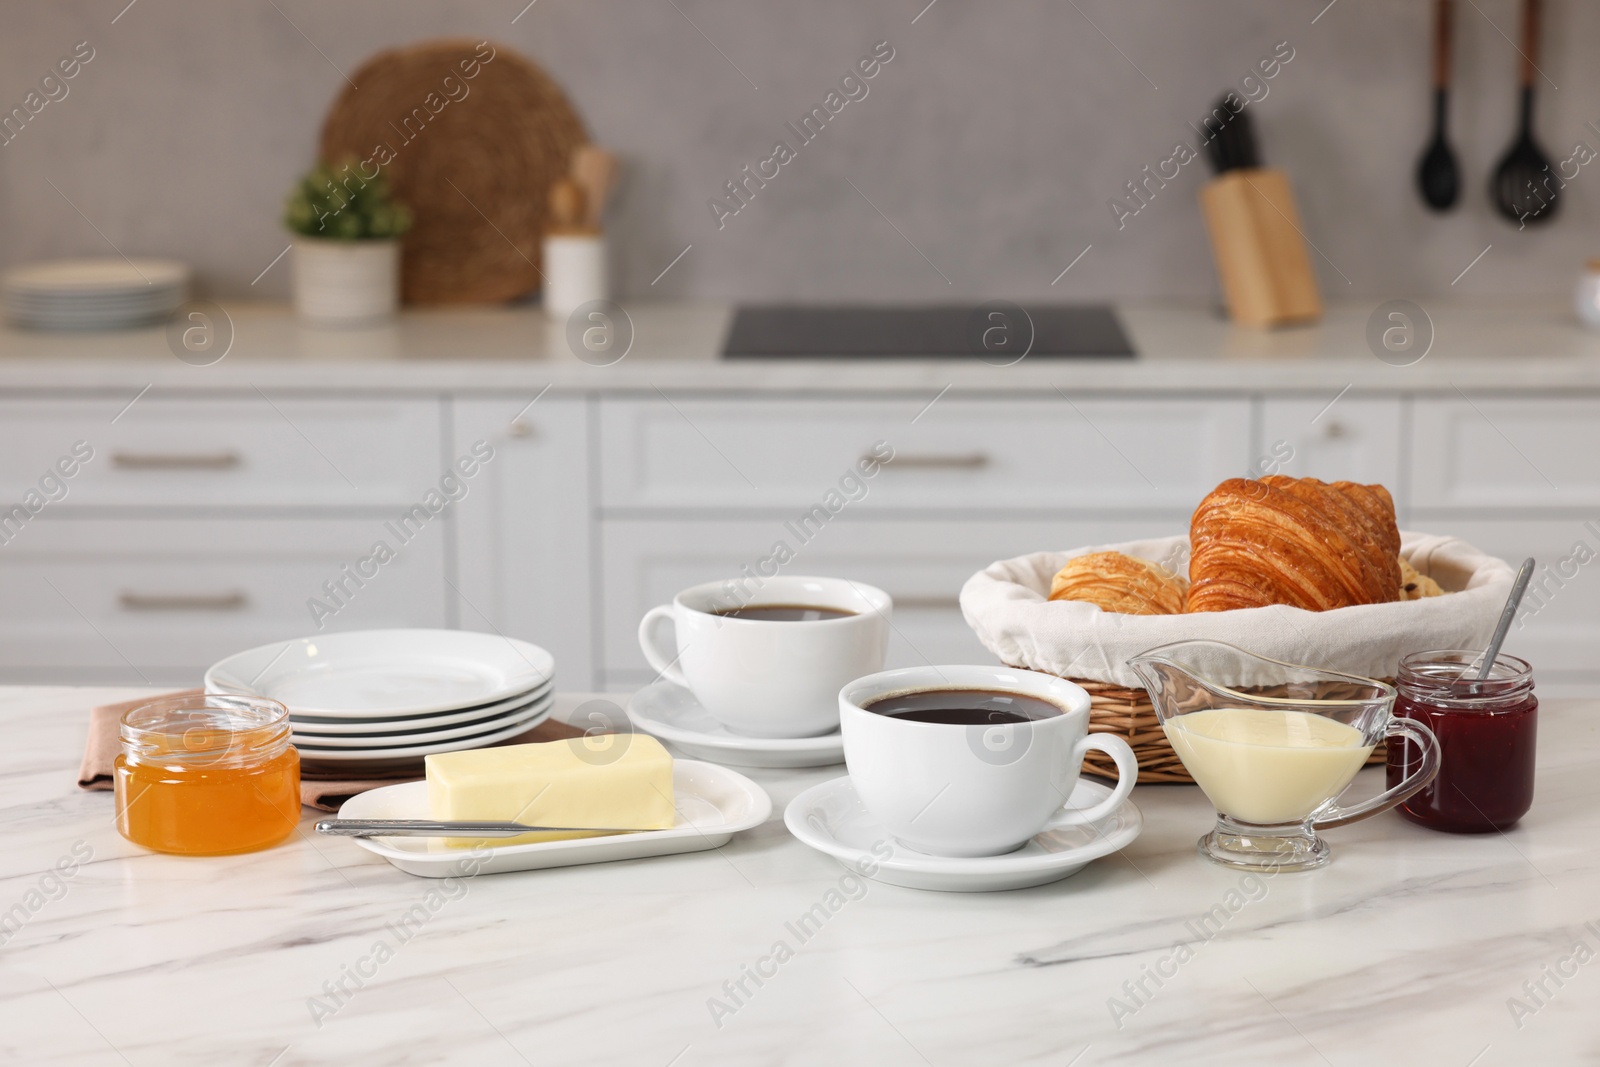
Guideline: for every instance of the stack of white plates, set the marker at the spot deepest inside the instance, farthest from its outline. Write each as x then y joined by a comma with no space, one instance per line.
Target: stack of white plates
378,698
93,294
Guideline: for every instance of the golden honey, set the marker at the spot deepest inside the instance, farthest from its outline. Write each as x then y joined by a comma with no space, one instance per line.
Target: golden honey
207,775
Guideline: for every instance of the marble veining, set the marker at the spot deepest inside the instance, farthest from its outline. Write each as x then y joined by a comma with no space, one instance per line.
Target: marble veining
1411,948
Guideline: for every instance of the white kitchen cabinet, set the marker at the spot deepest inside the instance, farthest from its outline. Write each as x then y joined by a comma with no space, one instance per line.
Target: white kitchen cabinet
133,600
204,524
1558,628
1519,477
1355,438
524,566
257,450
1496,454
1050,454
921,564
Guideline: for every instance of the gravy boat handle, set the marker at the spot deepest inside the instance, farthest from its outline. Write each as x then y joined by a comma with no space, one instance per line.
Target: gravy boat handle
1412,784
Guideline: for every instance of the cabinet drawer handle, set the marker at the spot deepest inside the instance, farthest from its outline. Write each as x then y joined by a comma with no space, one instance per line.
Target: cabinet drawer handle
176,461
234,600
963,461
927,603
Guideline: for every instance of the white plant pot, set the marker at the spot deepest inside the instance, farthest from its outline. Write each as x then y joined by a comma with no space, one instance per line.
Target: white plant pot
346,283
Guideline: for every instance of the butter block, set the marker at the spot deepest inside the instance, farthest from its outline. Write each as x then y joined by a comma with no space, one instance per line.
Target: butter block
620,781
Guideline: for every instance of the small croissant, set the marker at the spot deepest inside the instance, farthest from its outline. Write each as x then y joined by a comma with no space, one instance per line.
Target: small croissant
1120,583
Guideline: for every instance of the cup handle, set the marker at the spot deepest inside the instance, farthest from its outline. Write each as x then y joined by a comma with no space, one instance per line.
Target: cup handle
1127,778
660,662
1415,782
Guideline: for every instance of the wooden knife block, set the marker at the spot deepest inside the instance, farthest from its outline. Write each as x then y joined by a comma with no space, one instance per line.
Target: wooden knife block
1255,235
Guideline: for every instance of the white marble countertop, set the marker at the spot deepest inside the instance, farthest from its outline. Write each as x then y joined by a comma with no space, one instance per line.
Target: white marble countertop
1478,345
1411,948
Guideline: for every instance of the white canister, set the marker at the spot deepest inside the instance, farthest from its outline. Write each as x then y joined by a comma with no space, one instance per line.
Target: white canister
574,273
346,283
1586,298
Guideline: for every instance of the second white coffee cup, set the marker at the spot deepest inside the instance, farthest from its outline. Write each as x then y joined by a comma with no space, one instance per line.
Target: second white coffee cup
974,788
766,678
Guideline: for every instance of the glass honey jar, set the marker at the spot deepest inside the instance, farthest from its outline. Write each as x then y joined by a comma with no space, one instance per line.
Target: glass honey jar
207,775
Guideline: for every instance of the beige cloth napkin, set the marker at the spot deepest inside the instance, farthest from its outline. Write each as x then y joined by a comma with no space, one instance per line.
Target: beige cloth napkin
318,789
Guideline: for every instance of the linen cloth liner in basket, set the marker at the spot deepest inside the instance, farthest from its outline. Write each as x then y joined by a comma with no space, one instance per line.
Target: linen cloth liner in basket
1007,605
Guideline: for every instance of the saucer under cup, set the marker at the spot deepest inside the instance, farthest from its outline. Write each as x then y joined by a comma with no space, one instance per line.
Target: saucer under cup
765,678
671,713
981,789
831,819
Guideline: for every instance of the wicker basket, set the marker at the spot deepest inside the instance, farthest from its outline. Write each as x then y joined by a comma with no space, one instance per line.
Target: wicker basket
1128,713
1007,606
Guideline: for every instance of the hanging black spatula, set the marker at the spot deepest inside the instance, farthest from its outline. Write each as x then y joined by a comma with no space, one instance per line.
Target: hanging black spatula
1438,173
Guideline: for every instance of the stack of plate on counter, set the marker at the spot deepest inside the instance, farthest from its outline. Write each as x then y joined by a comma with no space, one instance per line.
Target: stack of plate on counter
93,294
374,700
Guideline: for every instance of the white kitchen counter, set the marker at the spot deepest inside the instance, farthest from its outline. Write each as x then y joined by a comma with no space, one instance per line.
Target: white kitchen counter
1411,948
1478,345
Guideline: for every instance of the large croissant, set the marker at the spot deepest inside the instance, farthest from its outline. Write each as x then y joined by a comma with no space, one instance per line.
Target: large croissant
1294,541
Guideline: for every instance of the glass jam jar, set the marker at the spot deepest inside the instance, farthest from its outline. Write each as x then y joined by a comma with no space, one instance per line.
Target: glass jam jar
1487,732
207,775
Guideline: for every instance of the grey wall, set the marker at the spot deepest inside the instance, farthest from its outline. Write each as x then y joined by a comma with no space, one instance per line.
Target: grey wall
992,141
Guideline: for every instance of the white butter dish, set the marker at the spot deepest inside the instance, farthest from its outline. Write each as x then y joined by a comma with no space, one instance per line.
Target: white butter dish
713,804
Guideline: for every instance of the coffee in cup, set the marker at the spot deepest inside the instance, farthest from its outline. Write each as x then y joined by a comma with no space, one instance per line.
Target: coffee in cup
772,665
973,761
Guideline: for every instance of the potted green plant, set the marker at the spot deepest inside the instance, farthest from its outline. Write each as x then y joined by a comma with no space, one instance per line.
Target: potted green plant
347,229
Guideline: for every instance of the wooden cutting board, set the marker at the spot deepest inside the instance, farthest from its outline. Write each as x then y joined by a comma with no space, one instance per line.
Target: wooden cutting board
471,135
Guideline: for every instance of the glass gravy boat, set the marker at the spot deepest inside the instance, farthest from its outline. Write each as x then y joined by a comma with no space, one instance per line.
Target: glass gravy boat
1273,745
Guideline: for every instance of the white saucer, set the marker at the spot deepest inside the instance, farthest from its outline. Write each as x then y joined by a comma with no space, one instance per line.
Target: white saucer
672,713
831,818
713,804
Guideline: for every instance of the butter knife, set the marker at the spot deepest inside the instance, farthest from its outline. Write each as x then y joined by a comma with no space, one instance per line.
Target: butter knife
432,828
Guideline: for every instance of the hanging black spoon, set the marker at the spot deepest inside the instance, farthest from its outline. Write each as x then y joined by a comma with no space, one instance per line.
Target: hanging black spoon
1438,174
1524,188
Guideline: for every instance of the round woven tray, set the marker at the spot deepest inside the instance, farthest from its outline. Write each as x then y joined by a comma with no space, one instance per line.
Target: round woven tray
473,159
1128,713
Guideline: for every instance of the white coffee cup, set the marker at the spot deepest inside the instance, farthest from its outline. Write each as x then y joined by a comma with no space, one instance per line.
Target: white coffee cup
771,679
974,790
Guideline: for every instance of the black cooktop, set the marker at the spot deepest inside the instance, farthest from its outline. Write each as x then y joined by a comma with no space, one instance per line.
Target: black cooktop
997,332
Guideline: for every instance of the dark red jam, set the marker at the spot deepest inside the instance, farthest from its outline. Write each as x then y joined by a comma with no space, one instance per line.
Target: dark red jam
1487,732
